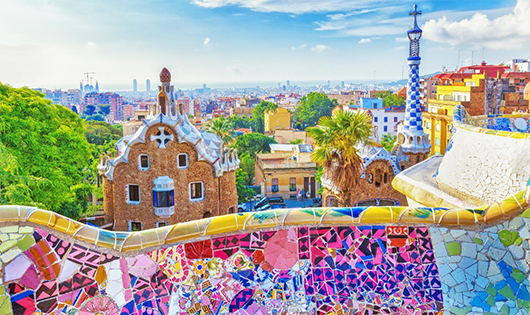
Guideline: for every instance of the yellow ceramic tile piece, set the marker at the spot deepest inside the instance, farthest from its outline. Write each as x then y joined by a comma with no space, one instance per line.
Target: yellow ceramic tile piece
8,214
241,218
87,233
133,242
333,217
59,223
450,217
39,216
467,217
101,277
493,212
264,219
300,217
418,215
24,212
222,224
203,224
376,215
182,231
151,238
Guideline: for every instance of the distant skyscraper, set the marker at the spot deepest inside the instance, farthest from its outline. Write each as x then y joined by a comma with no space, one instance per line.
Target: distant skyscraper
328,83
148,85
204,86
97,87
81,87
135,86
342,84
288,83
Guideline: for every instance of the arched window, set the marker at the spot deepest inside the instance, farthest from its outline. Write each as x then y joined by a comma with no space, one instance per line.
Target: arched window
385,177
378,178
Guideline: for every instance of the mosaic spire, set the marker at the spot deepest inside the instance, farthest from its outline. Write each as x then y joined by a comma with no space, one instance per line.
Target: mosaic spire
416,139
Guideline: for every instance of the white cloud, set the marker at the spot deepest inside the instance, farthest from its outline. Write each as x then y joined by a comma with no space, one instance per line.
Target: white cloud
320,48
510,31
301,47
365,40
206,41
91,45
402,39
398,48
297,6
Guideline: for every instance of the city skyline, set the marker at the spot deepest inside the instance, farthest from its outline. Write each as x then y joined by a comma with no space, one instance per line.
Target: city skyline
220,42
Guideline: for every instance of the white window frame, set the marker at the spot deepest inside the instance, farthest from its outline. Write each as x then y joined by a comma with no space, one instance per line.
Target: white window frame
159,221
187,161
140,162
131,202
202,191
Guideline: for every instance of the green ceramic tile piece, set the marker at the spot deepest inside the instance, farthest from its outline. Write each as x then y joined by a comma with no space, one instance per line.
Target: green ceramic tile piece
7,245
518,240
507,292
25,230
454,248
4,237
491,290
505,310
460,311
9,229
490,300
526,214
2,290
26,242
518,275
6,306
508,238
10,255
478,241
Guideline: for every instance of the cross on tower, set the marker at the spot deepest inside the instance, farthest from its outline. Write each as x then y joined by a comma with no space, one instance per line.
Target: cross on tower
162,137
415,12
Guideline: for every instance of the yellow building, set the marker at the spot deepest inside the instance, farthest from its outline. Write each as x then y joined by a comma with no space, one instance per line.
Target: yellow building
278,119
287,170
130,127
453,89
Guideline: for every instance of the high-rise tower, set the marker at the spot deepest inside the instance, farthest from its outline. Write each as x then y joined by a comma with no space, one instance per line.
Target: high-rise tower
135,86
412,140
148,85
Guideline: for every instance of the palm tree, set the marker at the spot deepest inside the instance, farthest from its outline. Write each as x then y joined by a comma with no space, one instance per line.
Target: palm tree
337,139
223,128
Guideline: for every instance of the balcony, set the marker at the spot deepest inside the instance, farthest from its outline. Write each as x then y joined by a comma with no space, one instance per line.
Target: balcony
165,212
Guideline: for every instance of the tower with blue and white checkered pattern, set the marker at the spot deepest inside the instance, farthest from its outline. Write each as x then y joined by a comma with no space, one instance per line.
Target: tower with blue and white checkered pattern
414,138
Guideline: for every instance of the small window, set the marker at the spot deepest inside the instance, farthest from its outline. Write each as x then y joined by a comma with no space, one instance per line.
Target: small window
385,178
196,191
163,199
385,128
292,184
143,162
395,119
274,185
135,226
437,141
133,194
385,119
182,160
375,119
161,224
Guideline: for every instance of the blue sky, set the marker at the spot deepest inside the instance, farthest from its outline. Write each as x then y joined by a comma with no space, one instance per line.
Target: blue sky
50,43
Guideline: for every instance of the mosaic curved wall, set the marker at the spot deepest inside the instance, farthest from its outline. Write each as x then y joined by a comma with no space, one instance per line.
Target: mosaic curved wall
418,261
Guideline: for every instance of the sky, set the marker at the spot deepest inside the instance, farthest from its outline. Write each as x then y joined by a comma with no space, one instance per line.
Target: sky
51,43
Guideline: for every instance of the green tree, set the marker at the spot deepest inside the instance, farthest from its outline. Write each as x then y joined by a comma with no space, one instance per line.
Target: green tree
336,139
221,127
104,109
313,106
95,117
388,141
318,178
391,100
248,165
89,110
252,143
296,141
258,115
240,122
243,193
47,141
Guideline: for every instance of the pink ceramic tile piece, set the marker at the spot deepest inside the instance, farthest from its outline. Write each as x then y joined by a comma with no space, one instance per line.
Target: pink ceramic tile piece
16,268
142,266
30,279
281,251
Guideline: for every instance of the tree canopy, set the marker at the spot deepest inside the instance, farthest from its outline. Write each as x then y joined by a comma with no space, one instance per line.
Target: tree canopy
336,139
223,128
391,100
252,143
387,141
313,106
258,115
47,151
